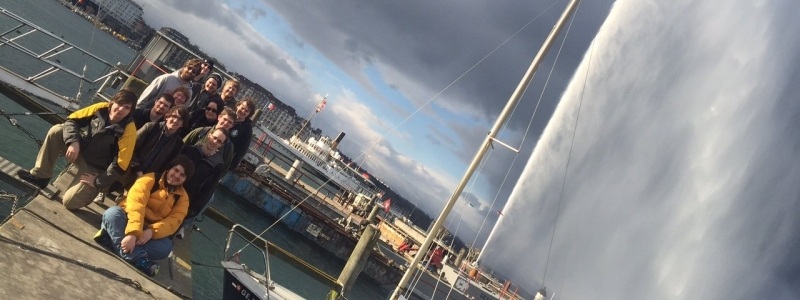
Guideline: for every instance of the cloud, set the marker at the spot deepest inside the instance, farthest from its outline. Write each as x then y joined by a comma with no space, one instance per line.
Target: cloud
682,178
416,49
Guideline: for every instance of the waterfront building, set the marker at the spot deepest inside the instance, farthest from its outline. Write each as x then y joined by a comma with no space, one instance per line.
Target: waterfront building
126,12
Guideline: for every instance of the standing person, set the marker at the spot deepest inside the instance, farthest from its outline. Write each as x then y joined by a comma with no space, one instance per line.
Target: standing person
139,228
204,117
228,94
167,83
156,113
97,140
210,166
207,66
202,94
225,121
242,131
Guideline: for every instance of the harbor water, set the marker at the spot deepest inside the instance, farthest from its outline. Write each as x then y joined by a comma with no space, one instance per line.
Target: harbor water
209,240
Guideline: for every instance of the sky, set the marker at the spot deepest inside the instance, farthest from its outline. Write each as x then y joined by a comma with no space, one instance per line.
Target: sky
669,169
415,85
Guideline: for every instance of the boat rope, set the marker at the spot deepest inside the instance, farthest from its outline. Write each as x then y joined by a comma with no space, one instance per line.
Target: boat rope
102,271
16,124
569,157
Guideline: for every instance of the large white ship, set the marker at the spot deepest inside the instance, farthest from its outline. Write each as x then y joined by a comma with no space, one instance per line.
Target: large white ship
322,156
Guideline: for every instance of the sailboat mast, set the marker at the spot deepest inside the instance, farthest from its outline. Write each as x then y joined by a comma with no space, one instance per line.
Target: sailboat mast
501,120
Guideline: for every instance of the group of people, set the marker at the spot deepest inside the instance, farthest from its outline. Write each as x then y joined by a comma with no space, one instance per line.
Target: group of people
163,152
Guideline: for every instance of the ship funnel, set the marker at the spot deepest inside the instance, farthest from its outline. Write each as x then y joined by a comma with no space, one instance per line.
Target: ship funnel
338,139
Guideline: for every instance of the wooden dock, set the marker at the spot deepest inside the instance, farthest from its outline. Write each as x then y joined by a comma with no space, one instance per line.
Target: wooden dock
48,252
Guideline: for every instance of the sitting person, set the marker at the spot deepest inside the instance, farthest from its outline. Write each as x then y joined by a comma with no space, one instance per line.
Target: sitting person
97,139
139,229
153,114
210,166
156,144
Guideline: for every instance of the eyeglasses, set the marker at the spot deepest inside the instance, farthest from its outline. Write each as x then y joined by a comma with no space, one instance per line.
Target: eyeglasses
214,110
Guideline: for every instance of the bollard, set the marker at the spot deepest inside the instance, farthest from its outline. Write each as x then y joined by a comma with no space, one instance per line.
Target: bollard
295,166
358,259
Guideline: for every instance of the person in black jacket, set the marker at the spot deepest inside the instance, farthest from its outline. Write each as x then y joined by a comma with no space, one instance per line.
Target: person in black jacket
153,114
157,143
204,117
209,164
203,93
242,131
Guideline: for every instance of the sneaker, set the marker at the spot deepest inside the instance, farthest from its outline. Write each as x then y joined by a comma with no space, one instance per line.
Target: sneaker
41,183
103,239
145,265
100,198
180,233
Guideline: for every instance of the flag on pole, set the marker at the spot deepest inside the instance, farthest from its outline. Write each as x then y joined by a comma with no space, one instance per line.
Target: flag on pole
387,204
321,105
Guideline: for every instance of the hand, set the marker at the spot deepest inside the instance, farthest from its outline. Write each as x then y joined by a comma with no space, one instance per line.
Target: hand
139,174
147,234
128,242
73,150
88,179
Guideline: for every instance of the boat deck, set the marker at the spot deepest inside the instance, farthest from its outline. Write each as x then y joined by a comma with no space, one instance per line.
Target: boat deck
47,252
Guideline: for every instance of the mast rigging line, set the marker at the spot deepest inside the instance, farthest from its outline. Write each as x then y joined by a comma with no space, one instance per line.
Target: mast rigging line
530,122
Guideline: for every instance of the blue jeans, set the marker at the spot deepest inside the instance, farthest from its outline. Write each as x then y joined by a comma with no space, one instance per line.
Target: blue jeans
114,221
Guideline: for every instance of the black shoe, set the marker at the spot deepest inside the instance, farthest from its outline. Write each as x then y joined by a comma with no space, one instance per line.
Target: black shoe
41,183
146,266
104,239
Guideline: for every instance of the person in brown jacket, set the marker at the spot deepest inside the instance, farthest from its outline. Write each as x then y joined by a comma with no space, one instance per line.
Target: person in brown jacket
139,229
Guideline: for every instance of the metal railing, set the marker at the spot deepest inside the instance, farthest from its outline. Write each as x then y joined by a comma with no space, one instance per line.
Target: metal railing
44,70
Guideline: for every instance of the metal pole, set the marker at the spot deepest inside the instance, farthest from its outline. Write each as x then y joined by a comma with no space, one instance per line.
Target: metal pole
504,115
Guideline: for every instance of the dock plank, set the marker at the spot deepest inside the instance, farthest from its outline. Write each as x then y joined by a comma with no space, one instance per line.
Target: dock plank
48,252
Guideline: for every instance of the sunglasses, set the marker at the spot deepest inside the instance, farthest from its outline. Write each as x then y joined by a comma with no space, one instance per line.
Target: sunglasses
212,110
195,71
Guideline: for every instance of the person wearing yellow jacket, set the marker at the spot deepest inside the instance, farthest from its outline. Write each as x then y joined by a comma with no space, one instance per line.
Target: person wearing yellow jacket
140,228
97,140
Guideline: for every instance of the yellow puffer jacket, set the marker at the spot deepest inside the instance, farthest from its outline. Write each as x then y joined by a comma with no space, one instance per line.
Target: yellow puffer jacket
158,210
